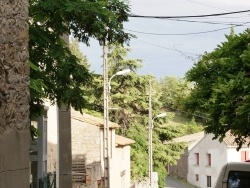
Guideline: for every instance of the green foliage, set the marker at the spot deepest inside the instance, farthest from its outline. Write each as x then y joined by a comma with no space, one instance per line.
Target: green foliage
34,132
60,75
139,156
174,91
222,91
129,102
75,50
164,154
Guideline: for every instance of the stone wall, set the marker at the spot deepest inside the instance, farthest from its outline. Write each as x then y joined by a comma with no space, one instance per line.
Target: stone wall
14,94
86,140
86,144
181,168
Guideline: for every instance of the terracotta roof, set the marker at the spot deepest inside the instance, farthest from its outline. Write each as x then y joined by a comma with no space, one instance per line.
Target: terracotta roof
123,141
229,140
91,119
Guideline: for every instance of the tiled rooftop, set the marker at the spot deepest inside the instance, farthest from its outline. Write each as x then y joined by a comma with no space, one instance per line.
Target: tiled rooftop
229,140
190,138
91,119
123,141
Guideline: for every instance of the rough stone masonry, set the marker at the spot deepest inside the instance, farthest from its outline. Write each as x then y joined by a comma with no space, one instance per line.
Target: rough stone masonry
14,94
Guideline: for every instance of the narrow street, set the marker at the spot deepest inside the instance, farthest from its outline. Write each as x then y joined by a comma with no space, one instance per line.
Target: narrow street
172,183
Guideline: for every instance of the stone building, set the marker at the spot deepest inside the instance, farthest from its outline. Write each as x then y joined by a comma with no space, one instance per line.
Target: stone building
181,168
207,157
87,151
204,157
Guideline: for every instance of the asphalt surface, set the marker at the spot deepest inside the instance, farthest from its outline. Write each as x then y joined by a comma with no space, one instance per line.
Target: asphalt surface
173,183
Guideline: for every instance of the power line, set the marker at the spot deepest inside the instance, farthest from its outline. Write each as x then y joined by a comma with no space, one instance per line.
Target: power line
210,22
194,16
177,34
224,17
195,33
207,5
172,49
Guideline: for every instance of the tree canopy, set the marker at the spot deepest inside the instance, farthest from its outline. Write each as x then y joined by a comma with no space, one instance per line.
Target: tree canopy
129,103
56,74
174,91
222,88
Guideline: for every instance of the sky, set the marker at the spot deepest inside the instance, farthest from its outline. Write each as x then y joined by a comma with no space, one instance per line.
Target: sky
170,47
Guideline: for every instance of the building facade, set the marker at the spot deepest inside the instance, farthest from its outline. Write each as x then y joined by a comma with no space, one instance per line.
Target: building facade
87,151
181,167
207,157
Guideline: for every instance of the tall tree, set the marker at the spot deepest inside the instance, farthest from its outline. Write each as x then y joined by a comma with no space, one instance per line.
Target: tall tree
75,50
129,103
174,91
222,88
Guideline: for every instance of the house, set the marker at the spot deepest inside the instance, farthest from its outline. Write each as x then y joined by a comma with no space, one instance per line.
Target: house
207,157
87,151
121,163
181,168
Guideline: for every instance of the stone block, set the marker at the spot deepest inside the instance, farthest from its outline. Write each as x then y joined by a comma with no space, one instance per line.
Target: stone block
14,179
14,158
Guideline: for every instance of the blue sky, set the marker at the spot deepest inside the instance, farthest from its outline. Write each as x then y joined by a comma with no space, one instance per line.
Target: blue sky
170,50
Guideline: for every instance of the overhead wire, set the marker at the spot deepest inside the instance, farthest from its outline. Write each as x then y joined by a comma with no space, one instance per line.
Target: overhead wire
172,49
210,6
179,18
207,5
210,22
192,16
176,34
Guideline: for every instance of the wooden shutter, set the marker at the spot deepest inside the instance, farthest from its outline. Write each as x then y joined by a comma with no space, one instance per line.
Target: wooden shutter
79,171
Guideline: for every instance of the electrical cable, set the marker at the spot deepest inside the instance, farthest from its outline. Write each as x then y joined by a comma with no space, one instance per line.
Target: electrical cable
194,16
172,49
176,34
207,5
210,22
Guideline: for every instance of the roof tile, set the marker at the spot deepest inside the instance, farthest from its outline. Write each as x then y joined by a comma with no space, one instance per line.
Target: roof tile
91,119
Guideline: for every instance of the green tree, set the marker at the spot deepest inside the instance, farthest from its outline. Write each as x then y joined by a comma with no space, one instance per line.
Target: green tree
222,88
56,73
75,50
174,91
129,103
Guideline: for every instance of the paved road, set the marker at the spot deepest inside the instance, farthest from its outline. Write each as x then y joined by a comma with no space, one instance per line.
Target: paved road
172,183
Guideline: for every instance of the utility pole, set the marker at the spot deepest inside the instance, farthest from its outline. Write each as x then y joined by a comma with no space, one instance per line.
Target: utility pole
106,141
150,154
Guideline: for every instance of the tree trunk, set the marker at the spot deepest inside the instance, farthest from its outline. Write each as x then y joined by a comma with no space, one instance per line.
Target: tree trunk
14,94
